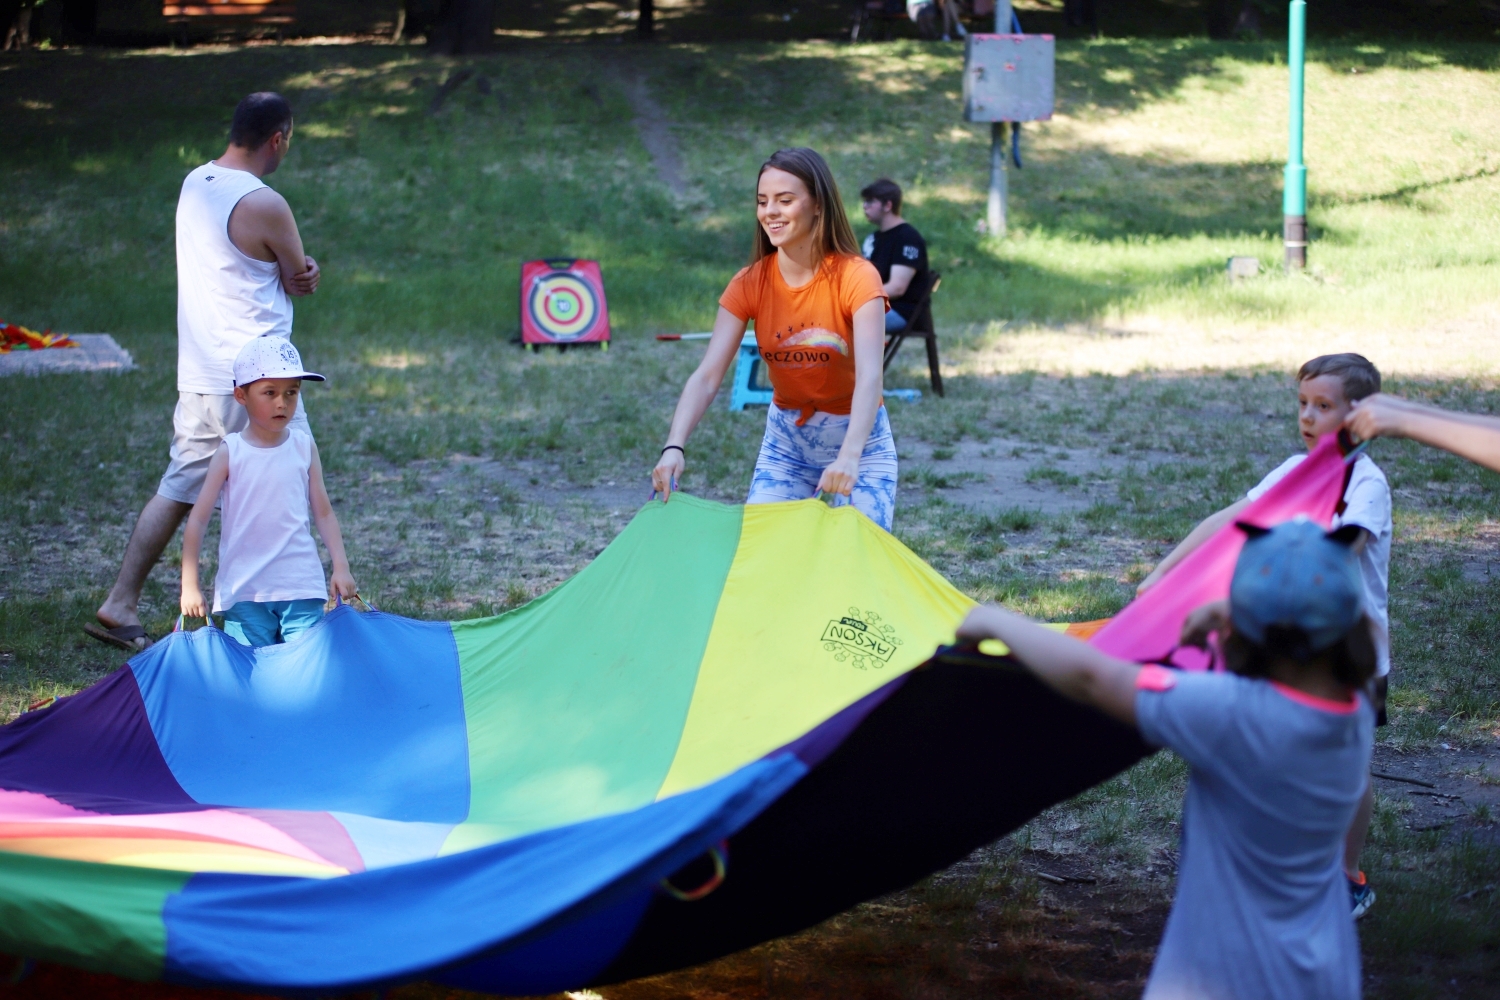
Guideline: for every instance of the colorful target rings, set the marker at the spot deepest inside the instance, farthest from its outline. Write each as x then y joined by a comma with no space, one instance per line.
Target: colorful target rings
563,306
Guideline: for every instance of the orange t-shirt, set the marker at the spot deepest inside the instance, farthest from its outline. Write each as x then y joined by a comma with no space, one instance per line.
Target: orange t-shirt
806,335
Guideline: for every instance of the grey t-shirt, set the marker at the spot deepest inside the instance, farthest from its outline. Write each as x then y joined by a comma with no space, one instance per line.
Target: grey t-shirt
1262,909
1367,503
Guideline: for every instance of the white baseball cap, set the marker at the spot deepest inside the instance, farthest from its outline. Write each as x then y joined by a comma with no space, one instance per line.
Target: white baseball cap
270,356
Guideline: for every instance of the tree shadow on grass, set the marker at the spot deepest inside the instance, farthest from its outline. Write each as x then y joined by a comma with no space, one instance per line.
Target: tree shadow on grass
1408,193
1168,198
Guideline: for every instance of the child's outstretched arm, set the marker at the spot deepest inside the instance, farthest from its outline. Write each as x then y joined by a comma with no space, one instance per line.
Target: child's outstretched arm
1469,435
193,604
1070,665
341,583
1205,530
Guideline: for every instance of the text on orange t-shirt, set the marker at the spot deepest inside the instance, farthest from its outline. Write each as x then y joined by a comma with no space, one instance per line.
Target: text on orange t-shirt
806,335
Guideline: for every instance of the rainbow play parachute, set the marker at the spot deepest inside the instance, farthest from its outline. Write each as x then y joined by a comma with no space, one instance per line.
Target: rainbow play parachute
729,726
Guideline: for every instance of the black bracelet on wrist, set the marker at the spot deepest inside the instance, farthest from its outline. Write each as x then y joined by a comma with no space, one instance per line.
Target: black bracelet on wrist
670,447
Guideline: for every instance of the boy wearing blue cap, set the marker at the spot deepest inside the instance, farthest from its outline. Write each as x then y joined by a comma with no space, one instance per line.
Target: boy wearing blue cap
1329,389
1279,752
269,586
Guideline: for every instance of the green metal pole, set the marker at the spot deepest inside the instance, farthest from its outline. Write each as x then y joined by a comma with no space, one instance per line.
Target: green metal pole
1294,197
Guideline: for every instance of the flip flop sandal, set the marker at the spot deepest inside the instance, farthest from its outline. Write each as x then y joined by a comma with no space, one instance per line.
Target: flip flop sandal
121,636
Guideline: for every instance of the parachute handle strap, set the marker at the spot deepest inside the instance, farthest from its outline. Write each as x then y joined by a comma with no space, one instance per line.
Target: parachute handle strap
968,649
1215,658
338,602
1349,448
655,492
1351,453
720,856
182,622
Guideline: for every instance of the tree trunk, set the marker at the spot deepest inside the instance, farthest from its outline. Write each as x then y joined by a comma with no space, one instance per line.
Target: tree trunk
1081,14
463,27
18,26
646,25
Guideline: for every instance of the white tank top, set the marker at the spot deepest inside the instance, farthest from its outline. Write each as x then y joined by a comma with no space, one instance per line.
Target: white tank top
266,552
224,298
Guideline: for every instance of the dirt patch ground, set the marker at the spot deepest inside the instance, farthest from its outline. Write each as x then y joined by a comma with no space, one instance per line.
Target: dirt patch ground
506,531
1455,791
1004,473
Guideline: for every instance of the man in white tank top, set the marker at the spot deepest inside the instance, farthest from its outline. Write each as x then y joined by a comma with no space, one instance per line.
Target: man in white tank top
239,262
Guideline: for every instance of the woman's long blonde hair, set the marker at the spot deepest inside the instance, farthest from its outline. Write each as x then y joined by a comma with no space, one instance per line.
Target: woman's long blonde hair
835,236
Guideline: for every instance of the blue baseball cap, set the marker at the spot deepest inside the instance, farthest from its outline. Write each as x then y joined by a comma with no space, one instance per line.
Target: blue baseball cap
1297,575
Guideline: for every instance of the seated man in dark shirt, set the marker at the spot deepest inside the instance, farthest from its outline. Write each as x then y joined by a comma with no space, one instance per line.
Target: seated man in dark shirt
896,249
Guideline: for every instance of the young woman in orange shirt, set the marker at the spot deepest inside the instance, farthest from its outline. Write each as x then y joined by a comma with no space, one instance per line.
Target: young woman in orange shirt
819,312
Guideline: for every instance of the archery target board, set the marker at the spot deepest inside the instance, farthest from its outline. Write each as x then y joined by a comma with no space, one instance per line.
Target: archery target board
562,302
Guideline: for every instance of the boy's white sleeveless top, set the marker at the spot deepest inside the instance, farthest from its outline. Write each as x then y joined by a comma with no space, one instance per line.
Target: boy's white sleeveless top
266,549
224,298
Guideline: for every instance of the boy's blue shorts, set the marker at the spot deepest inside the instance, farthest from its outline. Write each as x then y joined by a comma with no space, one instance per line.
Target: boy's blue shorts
257,623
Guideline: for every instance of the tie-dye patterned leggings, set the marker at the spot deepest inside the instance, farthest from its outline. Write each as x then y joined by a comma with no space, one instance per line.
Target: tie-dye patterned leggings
792,459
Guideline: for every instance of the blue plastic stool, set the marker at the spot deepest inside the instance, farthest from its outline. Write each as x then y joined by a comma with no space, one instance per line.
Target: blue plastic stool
746,368
747,393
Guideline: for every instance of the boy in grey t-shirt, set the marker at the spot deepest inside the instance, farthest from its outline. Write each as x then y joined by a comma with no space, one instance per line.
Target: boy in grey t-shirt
1276,776
1279,751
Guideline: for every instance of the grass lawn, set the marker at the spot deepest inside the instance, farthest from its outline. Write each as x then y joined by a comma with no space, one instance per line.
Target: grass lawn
1106,388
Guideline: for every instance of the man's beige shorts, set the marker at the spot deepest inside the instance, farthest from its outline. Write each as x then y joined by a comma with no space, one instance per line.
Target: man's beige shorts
199,425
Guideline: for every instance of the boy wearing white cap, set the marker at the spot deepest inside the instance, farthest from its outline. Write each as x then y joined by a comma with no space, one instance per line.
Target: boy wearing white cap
269,586
1279,751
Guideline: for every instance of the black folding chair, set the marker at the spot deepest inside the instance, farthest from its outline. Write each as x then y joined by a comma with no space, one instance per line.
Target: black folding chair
921,326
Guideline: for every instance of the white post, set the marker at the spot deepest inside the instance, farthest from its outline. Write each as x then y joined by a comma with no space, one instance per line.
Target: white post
995,218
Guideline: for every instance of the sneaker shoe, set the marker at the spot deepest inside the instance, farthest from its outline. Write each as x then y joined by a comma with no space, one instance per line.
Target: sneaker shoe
1361,896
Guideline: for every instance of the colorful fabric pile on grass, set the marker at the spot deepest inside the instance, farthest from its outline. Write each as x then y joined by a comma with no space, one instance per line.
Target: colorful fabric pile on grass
737,699
18,338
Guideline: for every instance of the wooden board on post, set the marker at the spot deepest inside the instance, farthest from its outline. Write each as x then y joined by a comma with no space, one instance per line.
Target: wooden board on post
1008,79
